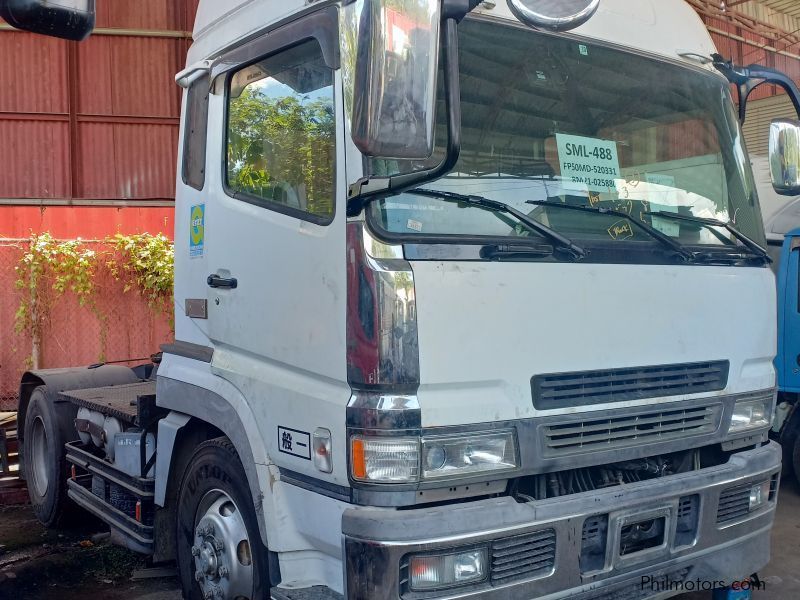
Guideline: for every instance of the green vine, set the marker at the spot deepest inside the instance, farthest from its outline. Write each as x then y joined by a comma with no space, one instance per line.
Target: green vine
149,262
48,268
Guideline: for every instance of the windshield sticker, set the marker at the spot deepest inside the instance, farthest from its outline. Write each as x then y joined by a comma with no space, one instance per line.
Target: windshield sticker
663,197
435,207
584,50
197,230
414,225
621,230
588,163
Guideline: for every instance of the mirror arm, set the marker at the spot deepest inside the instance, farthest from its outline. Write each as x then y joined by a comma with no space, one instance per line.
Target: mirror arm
746,79
365,189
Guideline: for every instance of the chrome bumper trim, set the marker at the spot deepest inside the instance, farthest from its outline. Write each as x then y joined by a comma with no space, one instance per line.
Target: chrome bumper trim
376,540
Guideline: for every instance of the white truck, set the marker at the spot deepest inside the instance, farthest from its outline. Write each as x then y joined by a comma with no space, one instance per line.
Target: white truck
471,302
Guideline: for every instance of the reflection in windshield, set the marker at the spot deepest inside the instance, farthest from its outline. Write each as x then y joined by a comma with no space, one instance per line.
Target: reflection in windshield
554,119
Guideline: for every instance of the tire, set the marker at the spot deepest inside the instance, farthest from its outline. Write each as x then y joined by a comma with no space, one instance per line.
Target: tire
788,460
45,459
218,541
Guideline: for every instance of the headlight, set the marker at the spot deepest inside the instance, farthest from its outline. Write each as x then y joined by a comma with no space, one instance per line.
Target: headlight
384,459
460,456
750,414
387,459
435,571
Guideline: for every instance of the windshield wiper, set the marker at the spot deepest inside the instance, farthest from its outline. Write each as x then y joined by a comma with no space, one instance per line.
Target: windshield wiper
676,247
752,245
562,243
515,251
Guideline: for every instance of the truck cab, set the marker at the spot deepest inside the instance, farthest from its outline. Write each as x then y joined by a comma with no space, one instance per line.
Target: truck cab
471,301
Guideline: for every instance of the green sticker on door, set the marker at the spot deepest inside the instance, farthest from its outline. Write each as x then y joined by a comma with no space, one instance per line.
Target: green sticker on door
197,230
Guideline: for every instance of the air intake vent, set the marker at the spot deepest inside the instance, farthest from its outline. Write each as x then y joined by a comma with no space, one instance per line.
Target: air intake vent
631,430
523,556
583,388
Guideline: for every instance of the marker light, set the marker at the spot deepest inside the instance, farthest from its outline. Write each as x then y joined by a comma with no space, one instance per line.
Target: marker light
321,444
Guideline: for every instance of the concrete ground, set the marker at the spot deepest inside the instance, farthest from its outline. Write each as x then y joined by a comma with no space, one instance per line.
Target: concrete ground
78,563
782,575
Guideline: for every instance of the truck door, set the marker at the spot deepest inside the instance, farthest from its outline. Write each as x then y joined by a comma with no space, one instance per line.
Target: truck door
275,239
788,359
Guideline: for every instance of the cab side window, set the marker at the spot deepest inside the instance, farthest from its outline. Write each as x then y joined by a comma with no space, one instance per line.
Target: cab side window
281,130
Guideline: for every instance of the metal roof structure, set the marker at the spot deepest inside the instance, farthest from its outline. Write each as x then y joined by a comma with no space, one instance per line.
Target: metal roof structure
786,7
756,17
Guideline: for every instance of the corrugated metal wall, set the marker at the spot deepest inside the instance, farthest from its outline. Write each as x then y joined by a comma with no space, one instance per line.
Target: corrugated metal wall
759,115
96,122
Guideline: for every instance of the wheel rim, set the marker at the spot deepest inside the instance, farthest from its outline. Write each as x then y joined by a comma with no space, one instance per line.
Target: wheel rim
222,554
40,446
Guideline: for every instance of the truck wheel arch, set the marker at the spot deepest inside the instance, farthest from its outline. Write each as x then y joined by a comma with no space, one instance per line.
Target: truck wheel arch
199,407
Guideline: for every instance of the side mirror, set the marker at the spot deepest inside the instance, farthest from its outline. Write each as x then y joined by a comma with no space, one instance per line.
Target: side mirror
68,19
784,156
390,59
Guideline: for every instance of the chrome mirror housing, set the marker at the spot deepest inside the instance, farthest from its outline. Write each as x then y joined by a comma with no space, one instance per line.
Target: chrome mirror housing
784,156
390,60
554,15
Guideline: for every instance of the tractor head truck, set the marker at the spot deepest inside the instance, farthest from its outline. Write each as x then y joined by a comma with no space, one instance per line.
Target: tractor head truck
471,301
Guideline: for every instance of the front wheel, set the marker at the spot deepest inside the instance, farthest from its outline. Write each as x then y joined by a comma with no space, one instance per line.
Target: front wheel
220,554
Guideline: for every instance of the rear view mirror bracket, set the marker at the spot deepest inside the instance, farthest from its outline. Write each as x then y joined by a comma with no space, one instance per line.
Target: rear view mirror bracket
746,79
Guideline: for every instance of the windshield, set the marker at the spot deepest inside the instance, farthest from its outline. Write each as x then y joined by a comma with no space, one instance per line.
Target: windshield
556,120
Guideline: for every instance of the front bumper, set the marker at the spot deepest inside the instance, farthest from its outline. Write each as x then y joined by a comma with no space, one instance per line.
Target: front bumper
378,541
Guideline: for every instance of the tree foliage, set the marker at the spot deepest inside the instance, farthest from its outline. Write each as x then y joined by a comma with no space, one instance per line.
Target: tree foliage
282,149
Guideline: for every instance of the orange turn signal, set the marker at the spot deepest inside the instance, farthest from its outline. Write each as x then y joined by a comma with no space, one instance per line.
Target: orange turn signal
359,464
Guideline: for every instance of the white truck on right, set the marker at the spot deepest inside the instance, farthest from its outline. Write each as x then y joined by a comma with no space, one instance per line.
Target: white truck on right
472,301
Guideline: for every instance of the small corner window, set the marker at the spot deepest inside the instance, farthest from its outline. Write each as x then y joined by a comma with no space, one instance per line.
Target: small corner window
193,170
281,134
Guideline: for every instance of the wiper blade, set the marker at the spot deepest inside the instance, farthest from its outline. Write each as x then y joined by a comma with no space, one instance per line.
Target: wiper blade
752,245
562,243
649,229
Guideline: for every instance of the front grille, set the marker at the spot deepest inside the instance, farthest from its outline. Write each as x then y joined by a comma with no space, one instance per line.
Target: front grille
523,556
734,503
560,390
631,430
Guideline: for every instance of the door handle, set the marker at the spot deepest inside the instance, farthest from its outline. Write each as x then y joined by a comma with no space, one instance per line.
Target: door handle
215,281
